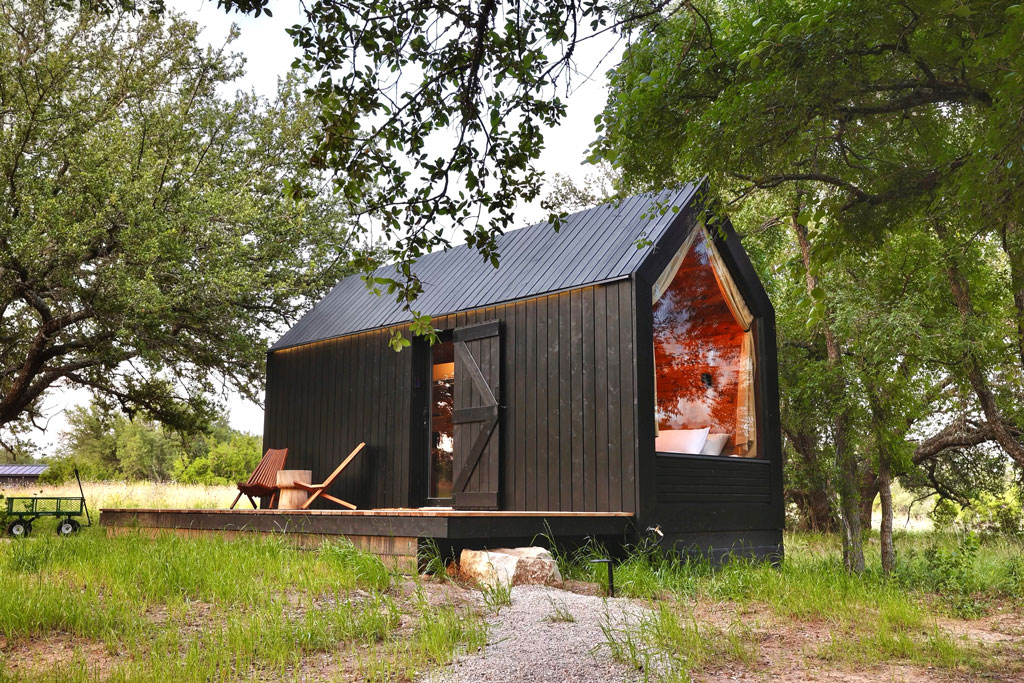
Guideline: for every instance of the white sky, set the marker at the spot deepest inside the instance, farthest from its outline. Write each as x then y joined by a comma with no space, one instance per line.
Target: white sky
269,52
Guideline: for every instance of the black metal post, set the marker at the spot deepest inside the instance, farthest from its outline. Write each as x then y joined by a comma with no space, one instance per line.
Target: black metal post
82,493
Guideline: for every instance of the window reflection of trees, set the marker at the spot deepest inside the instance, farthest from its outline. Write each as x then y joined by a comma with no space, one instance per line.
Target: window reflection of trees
699,354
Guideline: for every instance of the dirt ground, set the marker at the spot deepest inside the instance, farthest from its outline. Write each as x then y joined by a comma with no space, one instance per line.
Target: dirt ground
791,650
785,650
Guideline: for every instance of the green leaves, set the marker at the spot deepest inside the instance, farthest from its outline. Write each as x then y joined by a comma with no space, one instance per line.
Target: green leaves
474,80
398,341
894,133
957,8
422,326
153,234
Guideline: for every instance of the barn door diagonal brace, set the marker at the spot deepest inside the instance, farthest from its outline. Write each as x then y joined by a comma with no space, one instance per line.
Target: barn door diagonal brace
487,413
473,459
469,363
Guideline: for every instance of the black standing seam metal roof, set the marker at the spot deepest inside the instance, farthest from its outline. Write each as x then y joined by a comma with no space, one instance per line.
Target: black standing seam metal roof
596,245
22,470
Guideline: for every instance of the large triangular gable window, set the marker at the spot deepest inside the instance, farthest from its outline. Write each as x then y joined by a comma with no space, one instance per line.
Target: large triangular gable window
703,356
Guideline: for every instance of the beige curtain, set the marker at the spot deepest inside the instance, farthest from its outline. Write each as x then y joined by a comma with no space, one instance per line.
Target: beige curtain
746,432
669,274
733,298
661,286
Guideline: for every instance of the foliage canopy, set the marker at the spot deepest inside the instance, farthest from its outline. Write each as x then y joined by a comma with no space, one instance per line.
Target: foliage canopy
886,139
105,445
147,245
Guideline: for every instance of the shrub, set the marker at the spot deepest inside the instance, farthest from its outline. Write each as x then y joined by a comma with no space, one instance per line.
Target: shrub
226,462
996,514
944,513
952,574
1015,576
988,513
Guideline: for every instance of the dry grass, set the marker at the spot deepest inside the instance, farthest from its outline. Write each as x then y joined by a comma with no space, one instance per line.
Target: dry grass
142,494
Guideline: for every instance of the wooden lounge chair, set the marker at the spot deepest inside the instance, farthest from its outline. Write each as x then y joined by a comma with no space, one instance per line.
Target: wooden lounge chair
318,489
263,480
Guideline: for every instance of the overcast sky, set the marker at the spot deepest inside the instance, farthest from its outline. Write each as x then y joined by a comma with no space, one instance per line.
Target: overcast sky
269,52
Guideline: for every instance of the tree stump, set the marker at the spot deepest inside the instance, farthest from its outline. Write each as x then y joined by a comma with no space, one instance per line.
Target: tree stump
292,497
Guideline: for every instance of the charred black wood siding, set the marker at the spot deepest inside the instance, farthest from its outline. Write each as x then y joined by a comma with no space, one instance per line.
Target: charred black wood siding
710,479
567,391
324,398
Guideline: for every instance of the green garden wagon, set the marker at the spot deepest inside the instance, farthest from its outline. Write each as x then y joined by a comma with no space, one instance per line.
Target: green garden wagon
28,509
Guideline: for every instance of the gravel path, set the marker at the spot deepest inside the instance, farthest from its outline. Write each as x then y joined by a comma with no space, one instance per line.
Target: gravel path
526,644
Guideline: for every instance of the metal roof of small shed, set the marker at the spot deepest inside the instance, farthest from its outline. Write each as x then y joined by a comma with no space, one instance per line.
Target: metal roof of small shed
595,245
22,470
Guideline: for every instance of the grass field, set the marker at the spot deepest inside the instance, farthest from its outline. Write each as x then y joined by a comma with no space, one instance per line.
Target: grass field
132,608
120,494
954,608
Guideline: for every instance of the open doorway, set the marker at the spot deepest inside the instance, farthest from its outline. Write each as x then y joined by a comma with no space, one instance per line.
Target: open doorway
441,427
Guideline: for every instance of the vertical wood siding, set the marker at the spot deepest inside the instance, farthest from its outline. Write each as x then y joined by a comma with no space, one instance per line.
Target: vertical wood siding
567,386
324,398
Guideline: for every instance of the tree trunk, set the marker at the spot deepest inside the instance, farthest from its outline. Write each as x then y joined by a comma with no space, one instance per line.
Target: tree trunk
1013,246
868,490
885,435
849,499
960,289
819,512
846,460
867,505
815,509
811,500
885,493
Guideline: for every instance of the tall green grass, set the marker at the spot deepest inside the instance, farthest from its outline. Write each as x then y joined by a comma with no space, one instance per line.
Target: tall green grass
811,582
212,609
871,618
667,643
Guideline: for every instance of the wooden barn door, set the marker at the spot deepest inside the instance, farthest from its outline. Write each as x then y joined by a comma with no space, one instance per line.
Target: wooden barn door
476,416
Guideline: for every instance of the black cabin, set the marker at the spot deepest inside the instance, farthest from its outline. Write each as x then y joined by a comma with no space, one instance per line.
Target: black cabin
625,363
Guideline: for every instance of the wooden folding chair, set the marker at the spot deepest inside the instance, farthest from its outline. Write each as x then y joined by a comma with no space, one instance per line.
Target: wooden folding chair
319,489
263,480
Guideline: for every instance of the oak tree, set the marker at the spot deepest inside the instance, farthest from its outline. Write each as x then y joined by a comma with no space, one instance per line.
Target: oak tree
148,246
867,122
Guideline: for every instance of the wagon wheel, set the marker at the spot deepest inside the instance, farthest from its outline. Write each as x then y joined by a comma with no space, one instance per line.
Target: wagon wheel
67,527
19,528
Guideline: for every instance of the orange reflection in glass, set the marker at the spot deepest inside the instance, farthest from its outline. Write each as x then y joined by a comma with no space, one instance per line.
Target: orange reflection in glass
703,363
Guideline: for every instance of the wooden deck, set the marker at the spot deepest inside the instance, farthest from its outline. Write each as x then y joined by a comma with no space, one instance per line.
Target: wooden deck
393,533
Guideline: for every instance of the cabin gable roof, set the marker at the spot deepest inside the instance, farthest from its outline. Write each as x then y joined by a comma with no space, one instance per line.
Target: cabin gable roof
592,246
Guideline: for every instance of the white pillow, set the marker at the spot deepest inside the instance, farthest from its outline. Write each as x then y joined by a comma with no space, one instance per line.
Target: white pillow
715,444
681,440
